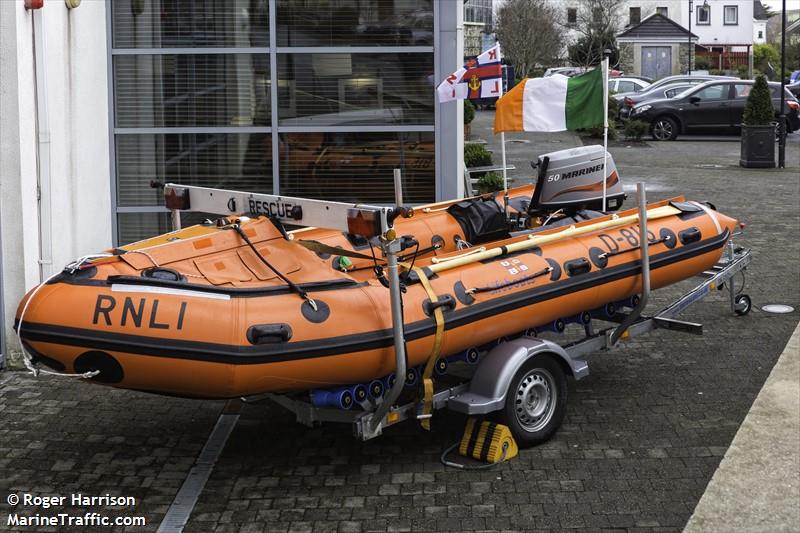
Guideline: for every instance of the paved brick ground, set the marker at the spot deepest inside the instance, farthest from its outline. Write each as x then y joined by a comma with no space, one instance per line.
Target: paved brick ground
642,437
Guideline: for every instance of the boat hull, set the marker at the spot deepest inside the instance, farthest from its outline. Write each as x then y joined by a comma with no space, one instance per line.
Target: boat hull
197,339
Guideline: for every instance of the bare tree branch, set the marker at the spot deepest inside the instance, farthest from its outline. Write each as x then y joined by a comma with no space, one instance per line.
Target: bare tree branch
529,34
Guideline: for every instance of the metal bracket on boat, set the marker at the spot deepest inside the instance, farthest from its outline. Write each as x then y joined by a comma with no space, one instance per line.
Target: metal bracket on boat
358,219
392,248
644,246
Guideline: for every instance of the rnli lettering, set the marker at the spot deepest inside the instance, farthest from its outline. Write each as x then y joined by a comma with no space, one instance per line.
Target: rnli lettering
271,209
136,312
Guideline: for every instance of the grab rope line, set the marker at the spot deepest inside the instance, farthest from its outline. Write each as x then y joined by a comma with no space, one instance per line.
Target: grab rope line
490,288
296,288
28,358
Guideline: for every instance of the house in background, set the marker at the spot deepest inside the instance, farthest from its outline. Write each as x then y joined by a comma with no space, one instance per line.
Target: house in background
656,47
760,19
725,33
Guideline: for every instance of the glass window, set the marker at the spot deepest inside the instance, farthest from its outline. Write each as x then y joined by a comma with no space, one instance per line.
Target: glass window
241,161
191,90
760,34
626,86
355,23
742,90
703,14
357,167
731,15
132,227
663,11
572,15
713,92
348,89
634,15
199,23
669,93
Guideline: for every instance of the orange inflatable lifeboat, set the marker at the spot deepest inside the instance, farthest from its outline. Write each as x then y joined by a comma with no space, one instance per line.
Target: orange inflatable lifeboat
242,307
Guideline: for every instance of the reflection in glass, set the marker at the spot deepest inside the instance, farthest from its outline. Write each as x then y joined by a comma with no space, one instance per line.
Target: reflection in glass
190,24
191,90
347,89
132,227
355,23
241,161
357,167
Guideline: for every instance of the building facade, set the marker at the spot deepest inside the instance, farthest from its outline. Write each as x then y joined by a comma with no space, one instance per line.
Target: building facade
724,28
478,22
297,97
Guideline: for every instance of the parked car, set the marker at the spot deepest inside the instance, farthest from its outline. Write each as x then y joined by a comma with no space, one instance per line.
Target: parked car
625,84
665,91
564,71
794,88
679,78
717,105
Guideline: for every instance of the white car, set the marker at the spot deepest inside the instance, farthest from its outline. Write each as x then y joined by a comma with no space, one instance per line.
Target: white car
623,84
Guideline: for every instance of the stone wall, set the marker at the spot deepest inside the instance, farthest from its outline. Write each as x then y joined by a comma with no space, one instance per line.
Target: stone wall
626,62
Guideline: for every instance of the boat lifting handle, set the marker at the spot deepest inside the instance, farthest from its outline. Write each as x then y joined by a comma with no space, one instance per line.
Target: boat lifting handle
645,248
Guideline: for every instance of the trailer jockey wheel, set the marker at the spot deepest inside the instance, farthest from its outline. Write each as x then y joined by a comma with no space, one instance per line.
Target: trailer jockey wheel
743,305
536,400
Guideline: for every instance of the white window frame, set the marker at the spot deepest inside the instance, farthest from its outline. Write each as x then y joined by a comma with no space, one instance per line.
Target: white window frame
725,15
665,10
698,10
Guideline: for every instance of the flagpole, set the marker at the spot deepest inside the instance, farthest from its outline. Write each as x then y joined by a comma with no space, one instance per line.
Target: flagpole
605,123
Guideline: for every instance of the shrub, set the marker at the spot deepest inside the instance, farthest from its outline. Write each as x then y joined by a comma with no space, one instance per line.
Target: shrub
741,70
475,155
469,112
490,182
635,130
758,110
715,72
702,63
613,109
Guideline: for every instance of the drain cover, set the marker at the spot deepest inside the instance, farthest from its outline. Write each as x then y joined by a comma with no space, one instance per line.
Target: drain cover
777,308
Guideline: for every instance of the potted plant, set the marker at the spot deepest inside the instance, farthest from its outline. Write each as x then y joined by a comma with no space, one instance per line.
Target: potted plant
758,128
469,116
490,182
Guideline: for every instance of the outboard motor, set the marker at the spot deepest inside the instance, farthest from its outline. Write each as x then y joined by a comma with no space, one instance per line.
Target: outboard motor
572,180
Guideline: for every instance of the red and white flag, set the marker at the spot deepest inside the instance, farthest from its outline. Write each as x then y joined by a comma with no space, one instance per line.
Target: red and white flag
479,78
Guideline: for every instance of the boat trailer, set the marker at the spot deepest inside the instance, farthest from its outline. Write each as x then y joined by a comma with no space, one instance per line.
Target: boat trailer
490,372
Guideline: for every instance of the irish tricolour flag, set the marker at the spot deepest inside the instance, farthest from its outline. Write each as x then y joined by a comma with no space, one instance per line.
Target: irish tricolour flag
555,103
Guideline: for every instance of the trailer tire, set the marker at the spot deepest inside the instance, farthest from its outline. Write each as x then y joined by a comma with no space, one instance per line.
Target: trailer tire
743,300
536,400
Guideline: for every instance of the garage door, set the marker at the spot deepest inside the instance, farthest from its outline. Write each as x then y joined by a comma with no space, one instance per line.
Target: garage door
656,61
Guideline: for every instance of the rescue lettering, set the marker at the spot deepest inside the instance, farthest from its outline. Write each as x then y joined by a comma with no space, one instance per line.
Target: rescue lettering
136,312
271,209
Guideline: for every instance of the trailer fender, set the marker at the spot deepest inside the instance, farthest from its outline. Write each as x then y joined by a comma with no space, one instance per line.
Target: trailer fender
488,387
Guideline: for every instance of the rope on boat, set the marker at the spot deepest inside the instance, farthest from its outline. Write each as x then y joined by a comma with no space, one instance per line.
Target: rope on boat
296,288
490,288
28,358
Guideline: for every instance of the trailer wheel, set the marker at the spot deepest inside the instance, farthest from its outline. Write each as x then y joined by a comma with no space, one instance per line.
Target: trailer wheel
535,401
743,305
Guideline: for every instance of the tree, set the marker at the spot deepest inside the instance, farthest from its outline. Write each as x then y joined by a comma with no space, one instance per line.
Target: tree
765,55
758,110
529,34
597,25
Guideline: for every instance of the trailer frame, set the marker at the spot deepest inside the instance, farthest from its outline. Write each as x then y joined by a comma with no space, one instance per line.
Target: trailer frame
485,391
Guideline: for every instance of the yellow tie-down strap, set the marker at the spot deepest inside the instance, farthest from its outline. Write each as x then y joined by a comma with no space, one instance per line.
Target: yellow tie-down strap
427,379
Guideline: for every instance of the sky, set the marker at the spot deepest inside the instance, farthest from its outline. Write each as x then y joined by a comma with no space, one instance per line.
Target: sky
776,4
